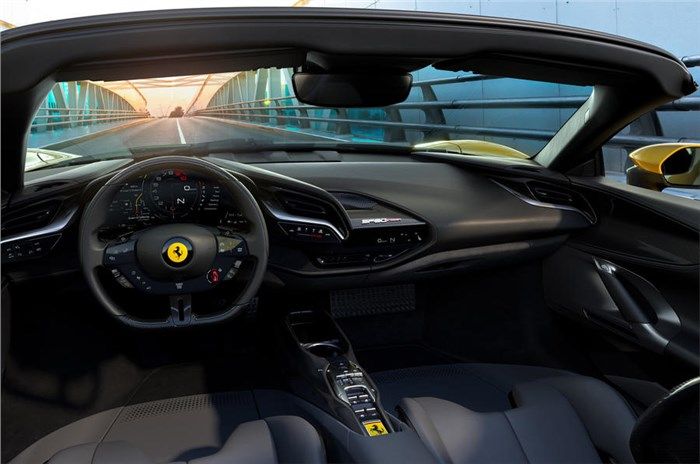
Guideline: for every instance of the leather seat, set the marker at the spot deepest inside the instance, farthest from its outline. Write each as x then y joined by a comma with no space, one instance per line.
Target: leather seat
280,439
199,429
568,418
669,430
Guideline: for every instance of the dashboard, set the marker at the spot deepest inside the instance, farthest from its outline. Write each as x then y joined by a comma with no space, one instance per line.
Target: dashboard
356,220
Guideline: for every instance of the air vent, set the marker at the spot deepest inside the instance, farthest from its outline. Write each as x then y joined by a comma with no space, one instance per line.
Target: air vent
549,194
353,202
556,195
29,218
301,205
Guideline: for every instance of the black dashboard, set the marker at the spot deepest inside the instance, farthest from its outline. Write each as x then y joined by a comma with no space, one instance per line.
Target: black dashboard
364,219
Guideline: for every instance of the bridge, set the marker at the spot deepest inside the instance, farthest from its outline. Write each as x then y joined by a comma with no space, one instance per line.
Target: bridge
106,117
80,108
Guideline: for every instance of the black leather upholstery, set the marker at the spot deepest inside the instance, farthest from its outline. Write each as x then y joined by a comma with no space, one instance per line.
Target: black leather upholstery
280,439
283,439
559,419
114,452
668,431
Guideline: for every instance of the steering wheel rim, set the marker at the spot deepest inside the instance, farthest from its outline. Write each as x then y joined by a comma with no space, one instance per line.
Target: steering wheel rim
92,249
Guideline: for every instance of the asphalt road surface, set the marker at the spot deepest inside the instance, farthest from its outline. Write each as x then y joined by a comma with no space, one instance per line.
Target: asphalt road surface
173,131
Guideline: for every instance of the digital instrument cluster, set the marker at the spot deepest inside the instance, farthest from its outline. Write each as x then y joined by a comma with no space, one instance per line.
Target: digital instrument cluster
171,195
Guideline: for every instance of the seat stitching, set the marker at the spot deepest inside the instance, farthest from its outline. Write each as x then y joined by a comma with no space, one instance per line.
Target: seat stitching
255,402
121,410
517,438
272,439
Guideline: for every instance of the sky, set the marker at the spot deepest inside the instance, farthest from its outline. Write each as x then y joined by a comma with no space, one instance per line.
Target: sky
22,12
162,95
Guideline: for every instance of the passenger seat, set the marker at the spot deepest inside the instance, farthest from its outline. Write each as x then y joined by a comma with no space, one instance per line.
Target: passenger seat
560,419
279,439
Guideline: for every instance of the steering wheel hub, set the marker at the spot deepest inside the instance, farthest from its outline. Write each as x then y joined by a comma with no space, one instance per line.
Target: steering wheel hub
177,252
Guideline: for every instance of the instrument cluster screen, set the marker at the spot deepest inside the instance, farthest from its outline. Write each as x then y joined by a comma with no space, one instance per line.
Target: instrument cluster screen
171,195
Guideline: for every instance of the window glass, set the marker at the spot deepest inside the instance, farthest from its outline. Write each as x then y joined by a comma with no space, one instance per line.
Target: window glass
98,119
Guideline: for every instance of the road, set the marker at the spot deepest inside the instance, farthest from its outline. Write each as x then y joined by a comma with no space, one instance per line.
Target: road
173,131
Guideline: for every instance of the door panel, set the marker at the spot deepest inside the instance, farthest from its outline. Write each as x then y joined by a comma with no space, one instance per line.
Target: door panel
635,273
4,321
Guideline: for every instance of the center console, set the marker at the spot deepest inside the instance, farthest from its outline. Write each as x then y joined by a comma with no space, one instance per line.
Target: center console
352,386
338,396
338,384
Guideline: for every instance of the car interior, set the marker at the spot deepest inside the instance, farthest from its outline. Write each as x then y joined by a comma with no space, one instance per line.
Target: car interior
242,302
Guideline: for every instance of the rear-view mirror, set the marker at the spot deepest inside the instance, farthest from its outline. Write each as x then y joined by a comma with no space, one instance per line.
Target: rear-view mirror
351,90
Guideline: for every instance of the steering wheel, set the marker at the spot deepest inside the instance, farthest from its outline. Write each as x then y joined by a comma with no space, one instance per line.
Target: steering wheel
174,259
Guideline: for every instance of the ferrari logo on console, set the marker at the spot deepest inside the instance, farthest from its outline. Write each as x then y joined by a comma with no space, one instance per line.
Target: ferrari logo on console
177,251
375,428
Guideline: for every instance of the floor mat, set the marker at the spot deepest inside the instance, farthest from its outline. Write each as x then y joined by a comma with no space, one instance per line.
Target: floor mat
479,387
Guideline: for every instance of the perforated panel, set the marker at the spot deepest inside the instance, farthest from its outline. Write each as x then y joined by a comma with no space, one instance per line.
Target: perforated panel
351,201
184,404
372,301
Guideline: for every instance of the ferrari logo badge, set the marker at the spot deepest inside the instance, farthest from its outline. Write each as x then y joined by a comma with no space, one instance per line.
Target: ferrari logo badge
375,428
177,252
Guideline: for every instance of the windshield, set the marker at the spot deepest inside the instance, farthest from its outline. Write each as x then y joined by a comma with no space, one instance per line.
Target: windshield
97,119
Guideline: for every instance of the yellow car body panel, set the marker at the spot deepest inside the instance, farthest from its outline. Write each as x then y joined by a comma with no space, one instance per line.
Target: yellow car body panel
473,147
651,157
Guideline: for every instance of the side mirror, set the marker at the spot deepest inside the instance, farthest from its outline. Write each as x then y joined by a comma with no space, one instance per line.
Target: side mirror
665,165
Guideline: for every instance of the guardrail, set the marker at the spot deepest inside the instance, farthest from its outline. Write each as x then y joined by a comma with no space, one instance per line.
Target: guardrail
273,112
82,103
72,117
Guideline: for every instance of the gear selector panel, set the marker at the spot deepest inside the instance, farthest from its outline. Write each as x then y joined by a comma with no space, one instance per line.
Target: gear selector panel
351,386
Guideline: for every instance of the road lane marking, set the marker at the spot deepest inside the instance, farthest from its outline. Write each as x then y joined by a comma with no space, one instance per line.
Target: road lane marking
179,131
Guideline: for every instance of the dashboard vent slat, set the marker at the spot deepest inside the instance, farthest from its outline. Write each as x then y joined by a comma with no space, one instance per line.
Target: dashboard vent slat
351,201
29,218
551,195
302,205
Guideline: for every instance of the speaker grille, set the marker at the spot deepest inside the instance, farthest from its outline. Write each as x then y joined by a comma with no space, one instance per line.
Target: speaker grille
185,404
